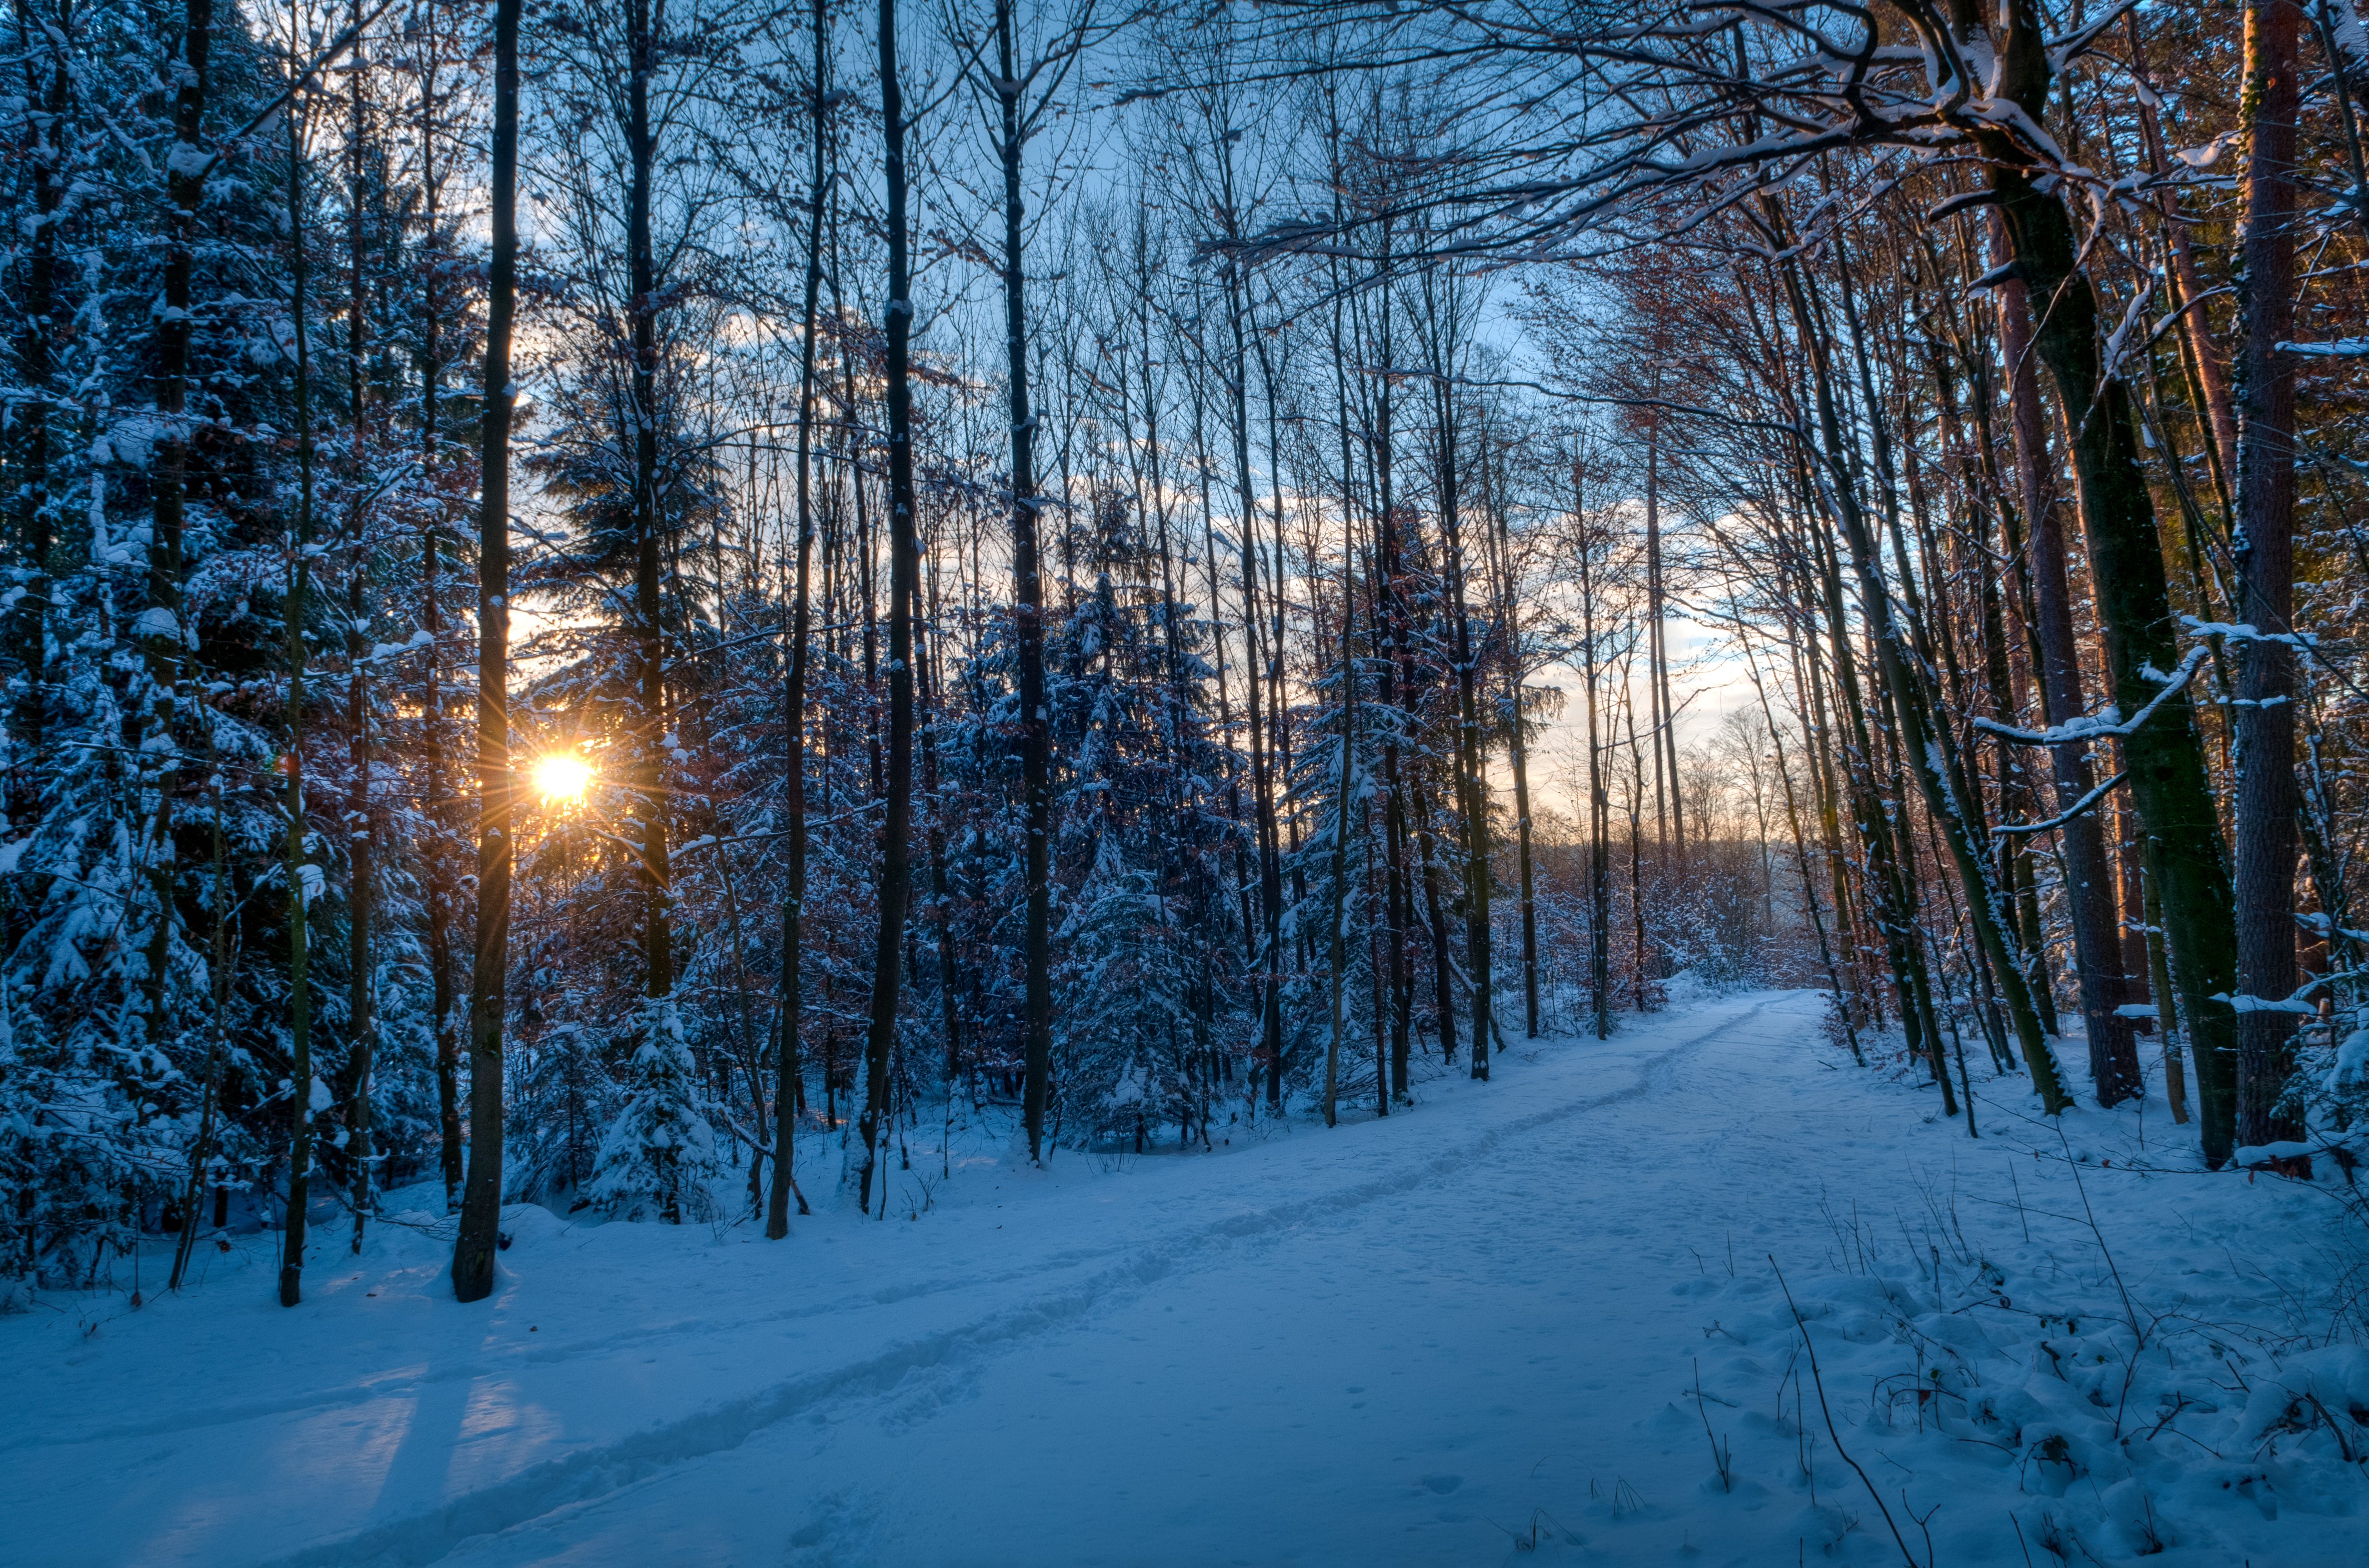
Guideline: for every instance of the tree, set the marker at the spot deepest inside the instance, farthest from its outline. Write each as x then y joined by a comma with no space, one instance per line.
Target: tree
473,1252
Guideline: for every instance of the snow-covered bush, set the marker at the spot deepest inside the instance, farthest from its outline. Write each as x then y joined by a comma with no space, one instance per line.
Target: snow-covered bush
661,1152
1124,1028
563,1101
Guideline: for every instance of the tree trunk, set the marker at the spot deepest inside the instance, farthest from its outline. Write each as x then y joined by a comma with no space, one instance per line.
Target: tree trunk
1599,809
2264,546
1262,776
360,1025
438,788
2114,1054
1442,986
1338,956
1389,613
896,869
159,630
300,574
787,1067
1657,671
481,1200
1028,610
942,899
1472,787
1521,752
649,625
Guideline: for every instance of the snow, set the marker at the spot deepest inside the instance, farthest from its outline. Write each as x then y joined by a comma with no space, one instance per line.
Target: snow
1499,1323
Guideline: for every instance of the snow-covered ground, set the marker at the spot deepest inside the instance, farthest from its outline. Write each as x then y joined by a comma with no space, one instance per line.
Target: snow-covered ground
1533,1317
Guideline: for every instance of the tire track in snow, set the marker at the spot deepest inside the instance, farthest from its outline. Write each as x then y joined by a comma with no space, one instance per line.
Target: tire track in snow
598,1471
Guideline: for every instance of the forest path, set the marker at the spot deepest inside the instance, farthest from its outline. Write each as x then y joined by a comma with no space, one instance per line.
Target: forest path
1399,1342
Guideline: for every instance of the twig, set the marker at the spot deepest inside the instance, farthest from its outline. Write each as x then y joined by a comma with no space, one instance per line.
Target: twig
1719,1459
1835,1436
2128,1310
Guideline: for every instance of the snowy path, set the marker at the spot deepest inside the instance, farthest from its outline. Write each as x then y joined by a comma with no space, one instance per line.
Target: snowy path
1395,1342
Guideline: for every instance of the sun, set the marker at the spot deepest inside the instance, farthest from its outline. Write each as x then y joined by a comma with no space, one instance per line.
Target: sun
563,776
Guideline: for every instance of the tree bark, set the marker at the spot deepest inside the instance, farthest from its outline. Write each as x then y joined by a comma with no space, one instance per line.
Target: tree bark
1472,787
787,1065
162,636
2114,1054
438,792
2264,547
361,890
1028,609
1599,809
300,572
1338,955
1270,953
895,868
480,1200
643,23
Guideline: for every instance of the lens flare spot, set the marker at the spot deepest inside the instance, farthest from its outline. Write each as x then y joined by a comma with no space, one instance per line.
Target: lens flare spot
563,776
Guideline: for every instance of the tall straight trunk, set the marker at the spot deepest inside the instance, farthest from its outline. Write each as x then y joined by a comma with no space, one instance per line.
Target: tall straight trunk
2014,792
941,897
1338,956
2264,545
1028,609
1471,785
1599,867
1655,717
2113,1053
1637,977
292,864
1520,754
904,570
1278,709
1666,723
1810,685
481,1198
1443,987
362,1026
439,900
1216,621
159,630
2169,779
1390,613
2167,1023
1262,776
438,787
219,962
2130,902
643,22
786,1066
1528,885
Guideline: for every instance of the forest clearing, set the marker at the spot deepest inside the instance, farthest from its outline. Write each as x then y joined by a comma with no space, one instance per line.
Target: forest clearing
1501,1324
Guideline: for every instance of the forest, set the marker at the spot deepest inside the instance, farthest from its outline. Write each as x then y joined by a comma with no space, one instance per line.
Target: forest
612,602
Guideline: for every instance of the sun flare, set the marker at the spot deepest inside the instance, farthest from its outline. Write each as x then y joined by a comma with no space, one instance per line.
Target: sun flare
563,776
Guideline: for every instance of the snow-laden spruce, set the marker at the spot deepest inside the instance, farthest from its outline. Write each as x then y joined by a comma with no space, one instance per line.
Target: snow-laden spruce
659,1154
